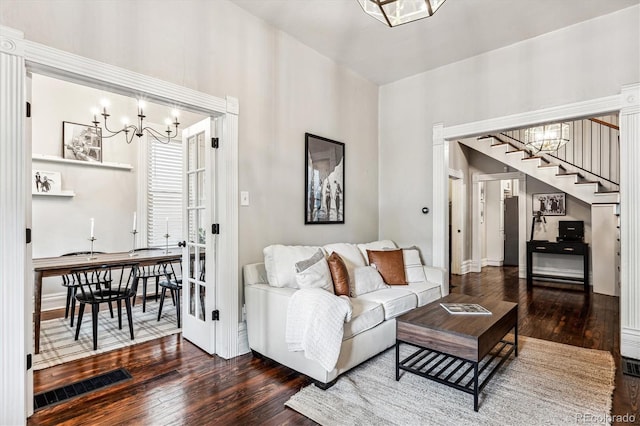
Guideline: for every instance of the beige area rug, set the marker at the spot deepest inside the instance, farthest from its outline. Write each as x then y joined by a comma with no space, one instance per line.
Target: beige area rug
57,344
547,384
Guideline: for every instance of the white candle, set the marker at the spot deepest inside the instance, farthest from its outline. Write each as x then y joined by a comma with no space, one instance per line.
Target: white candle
92,226
167,226
134,221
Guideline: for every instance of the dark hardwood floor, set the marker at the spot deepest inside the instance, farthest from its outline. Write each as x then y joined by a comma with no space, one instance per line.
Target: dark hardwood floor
176,383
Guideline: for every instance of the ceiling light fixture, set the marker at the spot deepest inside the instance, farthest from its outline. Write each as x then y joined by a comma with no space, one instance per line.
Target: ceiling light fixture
547,138
139,129
398,12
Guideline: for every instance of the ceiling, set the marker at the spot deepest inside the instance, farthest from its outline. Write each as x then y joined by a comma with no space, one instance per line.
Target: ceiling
460,29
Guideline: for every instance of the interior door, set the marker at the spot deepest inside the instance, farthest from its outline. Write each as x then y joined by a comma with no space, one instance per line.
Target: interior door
511,231
198,258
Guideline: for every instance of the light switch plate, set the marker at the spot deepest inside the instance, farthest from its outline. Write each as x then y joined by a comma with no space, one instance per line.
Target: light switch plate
244,198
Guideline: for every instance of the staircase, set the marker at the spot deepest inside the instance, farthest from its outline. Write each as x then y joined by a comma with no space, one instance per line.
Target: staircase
552,173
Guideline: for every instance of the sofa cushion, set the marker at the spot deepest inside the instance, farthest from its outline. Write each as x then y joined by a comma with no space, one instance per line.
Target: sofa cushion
339,274
425,291
350,255
367,279
364,316
413,270
390,264
375,245
314,273
280,260
394,300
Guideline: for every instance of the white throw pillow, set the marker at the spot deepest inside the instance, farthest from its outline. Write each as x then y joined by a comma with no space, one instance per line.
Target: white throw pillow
314,275
367,279
280,261
413,270
375,245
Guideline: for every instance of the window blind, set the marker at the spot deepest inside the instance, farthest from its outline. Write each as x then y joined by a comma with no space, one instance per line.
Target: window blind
164,193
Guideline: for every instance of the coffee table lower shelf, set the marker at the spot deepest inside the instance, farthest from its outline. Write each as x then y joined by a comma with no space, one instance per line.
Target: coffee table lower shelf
459,373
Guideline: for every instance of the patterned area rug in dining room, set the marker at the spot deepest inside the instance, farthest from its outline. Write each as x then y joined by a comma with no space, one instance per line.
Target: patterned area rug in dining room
547,384
57,344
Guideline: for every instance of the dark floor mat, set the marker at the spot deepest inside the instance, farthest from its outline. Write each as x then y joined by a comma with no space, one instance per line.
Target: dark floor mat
58,395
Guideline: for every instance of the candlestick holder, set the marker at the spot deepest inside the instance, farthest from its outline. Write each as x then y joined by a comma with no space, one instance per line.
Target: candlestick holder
91,256
166,243
133,250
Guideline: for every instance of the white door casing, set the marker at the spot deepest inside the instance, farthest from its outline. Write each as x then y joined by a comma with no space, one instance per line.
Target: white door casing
628,105
17,57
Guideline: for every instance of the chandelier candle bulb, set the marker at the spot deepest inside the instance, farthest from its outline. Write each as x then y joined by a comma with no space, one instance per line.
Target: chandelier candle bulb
92,227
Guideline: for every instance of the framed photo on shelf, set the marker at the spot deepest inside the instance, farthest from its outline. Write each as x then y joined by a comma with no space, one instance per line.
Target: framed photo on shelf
324,181
551,204
81,142
43,182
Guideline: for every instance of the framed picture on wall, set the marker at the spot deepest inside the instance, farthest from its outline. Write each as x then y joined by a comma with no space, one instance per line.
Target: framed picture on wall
43,182
324,181
551,204
81,142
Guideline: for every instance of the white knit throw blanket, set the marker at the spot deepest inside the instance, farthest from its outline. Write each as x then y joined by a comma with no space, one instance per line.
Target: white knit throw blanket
315,324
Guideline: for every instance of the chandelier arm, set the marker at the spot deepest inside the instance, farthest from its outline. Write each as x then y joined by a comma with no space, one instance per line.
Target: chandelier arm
108,129
156,135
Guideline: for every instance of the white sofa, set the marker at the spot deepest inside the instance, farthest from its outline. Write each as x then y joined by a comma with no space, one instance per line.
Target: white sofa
371,329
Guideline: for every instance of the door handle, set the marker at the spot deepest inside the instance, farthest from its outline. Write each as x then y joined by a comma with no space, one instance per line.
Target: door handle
182,244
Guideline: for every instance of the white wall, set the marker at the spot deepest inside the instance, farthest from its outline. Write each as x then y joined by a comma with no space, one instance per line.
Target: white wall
584,61
284,88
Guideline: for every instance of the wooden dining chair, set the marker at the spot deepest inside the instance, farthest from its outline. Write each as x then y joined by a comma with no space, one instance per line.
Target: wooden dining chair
173,282
148,272
69,281
115,284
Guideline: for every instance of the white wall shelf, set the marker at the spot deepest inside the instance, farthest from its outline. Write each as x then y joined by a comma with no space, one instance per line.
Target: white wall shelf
54,159
65,193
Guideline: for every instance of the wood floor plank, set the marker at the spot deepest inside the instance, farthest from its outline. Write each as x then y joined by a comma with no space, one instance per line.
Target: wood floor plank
174,382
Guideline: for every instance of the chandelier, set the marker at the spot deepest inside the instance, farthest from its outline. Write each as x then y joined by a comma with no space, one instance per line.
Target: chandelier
131,130
547,138
398,12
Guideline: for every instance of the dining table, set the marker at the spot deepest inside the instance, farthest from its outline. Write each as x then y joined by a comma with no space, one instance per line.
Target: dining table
62,265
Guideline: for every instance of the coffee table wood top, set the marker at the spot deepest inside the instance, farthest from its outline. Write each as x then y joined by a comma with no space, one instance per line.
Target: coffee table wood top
466,336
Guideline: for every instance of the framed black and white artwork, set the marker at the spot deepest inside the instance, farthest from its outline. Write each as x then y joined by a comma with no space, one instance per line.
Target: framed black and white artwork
43,182
324,181
81,142
551,204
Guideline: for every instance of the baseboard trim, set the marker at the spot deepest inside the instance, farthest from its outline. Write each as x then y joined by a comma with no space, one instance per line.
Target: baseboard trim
493,262
243,338
465,267
629,342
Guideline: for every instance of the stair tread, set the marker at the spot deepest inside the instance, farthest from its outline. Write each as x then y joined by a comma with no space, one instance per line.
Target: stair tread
498,144
608,192
568,174
586,182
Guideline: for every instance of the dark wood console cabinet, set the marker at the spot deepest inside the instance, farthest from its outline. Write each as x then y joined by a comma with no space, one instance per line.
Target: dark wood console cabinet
574,248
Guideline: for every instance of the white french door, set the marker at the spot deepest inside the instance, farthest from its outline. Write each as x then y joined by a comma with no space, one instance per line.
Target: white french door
198,258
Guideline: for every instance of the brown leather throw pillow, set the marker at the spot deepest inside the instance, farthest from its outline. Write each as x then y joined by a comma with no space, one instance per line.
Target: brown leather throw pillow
390,264
339,274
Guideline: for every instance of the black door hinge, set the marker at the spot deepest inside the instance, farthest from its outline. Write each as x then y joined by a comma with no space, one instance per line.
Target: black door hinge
28,362
215,143
215,228
215,315
28,236
28,109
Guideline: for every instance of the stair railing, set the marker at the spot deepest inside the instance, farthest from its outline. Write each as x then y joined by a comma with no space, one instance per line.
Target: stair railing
593,152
